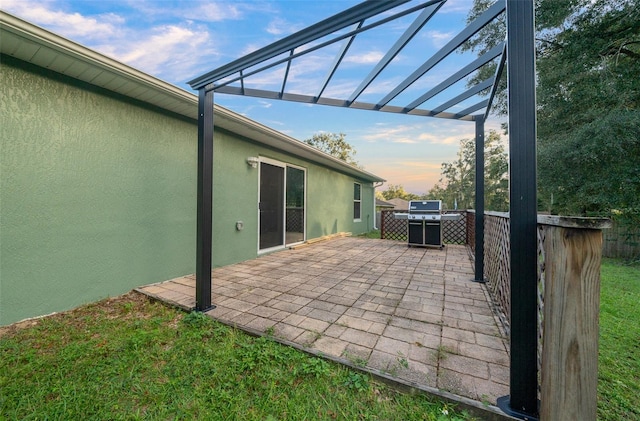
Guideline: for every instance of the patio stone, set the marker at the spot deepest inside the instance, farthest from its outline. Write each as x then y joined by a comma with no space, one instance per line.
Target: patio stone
499,374
489,341
294,319
330,346
313,324
459,334
260,324
307,338
462,364
482,319
354,322
392,346
242,319
385,362
402,334
457,383
359,337
482,353
334,331
283,305
411,312
326,316
263,311
286,331
237,304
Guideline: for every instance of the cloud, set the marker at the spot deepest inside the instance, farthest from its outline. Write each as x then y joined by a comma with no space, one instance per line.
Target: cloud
171,52
407,134
365,58
71,25
279,26
215,12
165,46
438,38
415,176
457,6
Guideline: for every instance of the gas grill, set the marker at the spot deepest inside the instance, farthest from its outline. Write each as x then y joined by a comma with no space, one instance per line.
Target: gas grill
425,223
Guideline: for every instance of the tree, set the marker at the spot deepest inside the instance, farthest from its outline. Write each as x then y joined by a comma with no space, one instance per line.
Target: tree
588,92
457,184
394,191
589,131
335,145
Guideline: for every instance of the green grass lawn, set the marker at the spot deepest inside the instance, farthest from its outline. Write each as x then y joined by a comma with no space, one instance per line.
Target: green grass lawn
619,356
130,358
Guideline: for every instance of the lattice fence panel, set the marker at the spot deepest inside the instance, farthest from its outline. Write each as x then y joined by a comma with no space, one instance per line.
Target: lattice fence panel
471,230
541,282
496,262
454,232
391,228
498,268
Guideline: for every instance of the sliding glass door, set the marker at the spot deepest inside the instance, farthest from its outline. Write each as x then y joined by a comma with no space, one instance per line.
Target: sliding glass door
294,224
281,205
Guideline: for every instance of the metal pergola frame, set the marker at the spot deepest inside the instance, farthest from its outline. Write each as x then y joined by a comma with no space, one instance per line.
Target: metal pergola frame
519,46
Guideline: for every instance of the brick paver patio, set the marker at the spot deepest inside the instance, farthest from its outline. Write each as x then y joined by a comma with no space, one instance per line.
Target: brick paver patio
412,313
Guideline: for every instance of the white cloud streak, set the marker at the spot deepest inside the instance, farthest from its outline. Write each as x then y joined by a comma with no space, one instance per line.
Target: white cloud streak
71,25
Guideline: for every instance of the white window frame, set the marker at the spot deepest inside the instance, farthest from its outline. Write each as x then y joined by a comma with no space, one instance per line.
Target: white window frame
359,201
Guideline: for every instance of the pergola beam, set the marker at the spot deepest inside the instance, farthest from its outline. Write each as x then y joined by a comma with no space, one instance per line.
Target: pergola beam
466,94
465,71
496,79
338,60
480,105
479,23
404,39
307,99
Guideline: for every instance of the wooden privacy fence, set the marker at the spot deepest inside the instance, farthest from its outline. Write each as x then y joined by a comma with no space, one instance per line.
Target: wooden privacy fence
621,241
569,254
453,232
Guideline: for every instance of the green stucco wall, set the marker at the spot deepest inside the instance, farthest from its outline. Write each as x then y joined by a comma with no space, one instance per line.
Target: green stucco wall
98,194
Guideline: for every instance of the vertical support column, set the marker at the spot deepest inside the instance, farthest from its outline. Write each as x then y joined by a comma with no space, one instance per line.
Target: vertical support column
205,200
479,225
523,399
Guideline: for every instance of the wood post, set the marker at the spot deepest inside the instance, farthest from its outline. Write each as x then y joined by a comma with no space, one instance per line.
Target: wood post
573,247
383,216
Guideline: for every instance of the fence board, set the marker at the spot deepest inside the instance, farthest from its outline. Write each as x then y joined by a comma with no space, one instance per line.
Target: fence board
572,298
621,242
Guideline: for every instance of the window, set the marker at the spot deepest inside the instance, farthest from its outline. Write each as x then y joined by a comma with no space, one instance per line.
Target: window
357,201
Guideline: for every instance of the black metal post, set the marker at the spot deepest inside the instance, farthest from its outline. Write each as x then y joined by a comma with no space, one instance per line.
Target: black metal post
479,225
205,200
523,399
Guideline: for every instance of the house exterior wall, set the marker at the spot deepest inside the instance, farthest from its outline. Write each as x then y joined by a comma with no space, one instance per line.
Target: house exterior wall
98,194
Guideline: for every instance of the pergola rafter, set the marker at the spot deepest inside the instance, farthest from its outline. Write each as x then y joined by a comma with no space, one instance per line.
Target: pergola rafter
346,27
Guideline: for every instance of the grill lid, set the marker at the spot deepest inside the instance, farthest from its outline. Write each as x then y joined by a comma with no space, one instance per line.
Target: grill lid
425,206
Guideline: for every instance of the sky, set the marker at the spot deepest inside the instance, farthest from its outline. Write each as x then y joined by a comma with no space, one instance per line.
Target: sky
178,41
